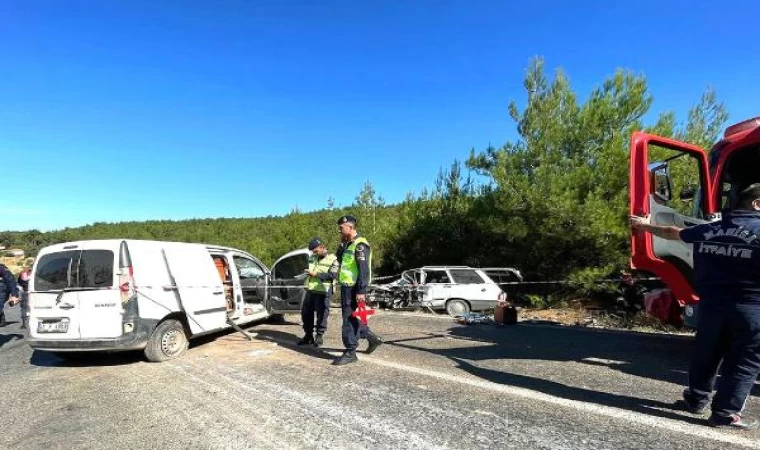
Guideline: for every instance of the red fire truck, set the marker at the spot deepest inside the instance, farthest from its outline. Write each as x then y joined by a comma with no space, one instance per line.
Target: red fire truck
731,165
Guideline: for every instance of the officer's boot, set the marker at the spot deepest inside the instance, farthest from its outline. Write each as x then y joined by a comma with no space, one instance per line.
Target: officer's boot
24,323
374,342
319,340
306,340
2,319
348,357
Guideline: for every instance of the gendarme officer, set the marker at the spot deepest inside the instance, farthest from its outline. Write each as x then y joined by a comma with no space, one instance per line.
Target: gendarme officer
354,277
323,268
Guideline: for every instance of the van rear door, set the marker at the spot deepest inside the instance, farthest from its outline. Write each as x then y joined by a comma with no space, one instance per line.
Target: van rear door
196,281
98,294
54,310
74,294
669,182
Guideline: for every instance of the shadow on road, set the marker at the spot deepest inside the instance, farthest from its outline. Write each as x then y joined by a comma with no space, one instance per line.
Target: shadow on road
288,340
657,357
85,359
6,338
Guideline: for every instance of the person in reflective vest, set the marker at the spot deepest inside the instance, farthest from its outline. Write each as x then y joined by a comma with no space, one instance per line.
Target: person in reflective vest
322,271
727,280
354,277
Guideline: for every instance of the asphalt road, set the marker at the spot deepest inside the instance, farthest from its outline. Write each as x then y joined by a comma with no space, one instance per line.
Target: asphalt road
434,385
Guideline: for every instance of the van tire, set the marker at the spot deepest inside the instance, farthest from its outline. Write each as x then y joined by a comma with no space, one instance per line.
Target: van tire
168,341
457,307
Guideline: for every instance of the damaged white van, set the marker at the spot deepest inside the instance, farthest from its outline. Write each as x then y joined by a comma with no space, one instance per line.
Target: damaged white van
151,295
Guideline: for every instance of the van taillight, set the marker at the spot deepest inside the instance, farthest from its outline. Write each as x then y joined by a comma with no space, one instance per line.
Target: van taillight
126,284
126,276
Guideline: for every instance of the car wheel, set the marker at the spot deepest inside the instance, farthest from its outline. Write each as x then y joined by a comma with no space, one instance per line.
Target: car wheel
457,307
168,341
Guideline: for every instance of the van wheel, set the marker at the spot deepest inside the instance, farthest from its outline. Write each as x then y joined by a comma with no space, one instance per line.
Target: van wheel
168,341
457,307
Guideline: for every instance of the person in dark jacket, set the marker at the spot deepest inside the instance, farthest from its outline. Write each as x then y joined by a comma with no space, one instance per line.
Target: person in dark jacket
354,276
8,292
23,284
727,280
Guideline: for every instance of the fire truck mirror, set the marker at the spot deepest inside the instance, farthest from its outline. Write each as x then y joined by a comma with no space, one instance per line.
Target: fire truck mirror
660,179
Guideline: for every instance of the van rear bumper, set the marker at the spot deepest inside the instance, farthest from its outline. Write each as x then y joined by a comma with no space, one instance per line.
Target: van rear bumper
135,340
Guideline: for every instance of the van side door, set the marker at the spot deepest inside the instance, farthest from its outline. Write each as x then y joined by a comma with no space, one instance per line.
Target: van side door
252,279
288,283
196,281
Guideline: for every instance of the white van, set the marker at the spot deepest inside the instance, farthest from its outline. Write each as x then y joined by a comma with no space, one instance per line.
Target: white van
152,295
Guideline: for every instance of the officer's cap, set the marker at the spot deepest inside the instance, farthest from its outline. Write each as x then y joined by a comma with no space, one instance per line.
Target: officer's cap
314,243
347,219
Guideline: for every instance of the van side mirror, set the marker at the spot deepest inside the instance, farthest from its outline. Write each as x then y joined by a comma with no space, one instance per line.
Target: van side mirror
688,193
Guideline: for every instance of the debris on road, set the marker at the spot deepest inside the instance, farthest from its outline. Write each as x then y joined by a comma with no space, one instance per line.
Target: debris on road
474,319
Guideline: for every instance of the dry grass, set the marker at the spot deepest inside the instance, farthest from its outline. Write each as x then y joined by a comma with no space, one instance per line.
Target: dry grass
578,315
15,264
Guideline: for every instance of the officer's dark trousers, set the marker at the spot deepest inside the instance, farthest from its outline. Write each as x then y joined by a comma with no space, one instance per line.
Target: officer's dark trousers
729,332
353,328
319,303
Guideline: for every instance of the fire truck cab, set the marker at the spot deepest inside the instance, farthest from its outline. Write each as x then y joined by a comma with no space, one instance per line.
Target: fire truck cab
709,184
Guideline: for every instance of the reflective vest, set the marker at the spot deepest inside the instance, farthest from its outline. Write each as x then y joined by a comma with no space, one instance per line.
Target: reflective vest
320,265
349,269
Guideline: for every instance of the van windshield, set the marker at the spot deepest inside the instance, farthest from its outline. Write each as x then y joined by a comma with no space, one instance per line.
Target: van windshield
74,268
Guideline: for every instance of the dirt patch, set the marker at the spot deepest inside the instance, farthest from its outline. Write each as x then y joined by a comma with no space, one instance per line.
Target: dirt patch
599,318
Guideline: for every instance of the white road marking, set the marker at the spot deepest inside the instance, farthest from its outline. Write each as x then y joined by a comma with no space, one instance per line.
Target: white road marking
630,416
671,425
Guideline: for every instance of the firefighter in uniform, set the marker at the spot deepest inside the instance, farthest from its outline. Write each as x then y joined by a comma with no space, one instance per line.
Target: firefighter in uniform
727,280
8,292
323,268
354,277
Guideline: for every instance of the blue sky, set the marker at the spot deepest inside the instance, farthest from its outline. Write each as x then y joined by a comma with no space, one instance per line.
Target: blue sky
134,110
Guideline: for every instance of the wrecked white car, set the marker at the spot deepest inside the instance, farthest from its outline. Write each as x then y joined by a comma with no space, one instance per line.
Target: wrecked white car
454,289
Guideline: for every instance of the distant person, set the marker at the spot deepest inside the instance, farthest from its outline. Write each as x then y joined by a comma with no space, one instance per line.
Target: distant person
354,277
8,292
322,271
727,280
23,284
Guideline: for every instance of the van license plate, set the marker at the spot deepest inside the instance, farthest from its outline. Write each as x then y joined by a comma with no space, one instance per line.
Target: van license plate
61,326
